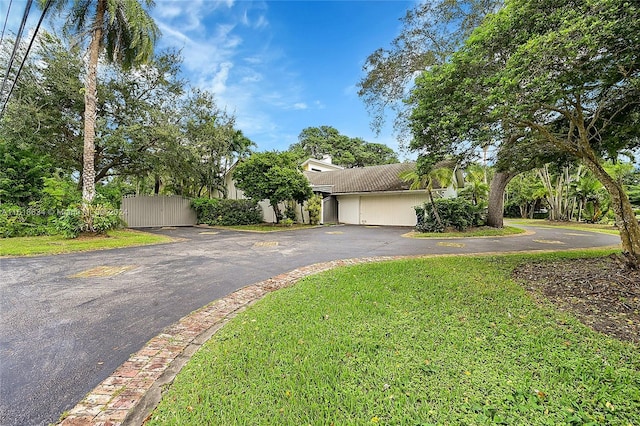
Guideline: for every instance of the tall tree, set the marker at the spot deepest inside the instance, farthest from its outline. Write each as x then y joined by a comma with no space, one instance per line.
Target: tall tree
45,111
349,152
431,32
425,174
272,176
126,33
137,119
210,135
556,74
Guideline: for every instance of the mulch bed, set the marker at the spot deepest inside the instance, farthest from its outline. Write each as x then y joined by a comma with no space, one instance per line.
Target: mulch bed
599,292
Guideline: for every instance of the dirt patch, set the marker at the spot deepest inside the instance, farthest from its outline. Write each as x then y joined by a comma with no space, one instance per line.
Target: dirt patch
599,292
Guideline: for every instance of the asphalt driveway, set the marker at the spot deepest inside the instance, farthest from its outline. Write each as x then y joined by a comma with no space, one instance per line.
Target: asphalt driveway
68,321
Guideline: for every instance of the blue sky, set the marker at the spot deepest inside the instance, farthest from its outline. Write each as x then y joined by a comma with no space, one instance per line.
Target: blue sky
280,66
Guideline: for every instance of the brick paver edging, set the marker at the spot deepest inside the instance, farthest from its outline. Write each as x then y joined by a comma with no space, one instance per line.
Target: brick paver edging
129,395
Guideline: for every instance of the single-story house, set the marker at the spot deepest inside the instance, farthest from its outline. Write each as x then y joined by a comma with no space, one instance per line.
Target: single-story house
373,195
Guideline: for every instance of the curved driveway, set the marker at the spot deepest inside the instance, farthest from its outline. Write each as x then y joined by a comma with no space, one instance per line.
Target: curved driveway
65,325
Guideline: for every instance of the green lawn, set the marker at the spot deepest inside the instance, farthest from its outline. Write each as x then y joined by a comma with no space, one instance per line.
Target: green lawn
28,246
578,226
483,231
447,341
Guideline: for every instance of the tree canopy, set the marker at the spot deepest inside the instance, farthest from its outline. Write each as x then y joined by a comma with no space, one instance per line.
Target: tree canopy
125,32
272,176
149,124
542,74
348,152
431,32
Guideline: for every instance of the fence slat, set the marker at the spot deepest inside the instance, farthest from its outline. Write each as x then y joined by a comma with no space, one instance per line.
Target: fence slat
146,211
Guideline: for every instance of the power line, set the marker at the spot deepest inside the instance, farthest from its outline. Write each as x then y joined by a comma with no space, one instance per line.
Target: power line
24,59
25,15
6,19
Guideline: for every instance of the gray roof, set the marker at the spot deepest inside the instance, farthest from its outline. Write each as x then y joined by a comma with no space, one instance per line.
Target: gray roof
361,179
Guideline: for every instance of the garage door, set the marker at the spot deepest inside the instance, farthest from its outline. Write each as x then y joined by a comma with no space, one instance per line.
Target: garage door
391,210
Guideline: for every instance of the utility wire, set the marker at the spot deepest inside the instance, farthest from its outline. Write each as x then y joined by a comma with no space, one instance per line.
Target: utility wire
25,15
6,19
24,59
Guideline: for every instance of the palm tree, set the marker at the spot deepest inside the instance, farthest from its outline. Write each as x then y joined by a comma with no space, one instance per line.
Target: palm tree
476,187
126,33
440,173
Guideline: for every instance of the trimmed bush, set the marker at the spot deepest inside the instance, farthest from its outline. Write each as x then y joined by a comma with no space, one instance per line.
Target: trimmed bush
456,213
225,212
314,207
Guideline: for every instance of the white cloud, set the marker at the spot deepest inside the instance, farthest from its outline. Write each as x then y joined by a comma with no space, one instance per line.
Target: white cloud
261,22
226,50
219,83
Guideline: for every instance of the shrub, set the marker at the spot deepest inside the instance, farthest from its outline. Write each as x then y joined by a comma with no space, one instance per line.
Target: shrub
314,207
290,211
456,213
16,221
225,212
97,218
69,223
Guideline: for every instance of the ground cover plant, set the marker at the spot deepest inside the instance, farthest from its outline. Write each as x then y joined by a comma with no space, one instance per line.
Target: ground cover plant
57,244
448,340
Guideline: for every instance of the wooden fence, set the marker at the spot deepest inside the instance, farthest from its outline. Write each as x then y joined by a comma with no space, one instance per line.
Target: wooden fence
146,211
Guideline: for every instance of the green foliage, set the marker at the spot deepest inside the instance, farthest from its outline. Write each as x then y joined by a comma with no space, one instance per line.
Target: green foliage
456,213
18,221
288,222
315,142
69,223
523,194
93,218
431,32
21,173
537,75
226,212
314,207
272,176
290,211
113,191
59,192
475,188
48,214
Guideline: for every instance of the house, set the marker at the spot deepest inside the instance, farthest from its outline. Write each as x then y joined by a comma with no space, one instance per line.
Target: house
373,195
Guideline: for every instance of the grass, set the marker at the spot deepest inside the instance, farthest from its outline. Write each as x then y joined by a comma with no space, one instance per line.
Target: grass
483,231
29,246
578,226
414,342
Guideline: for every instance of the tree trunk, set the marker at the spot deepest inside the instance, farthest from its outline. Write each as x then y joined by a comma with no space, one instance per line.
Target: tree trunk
276,211
495,213
156,185
90,107
626,221
435,210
